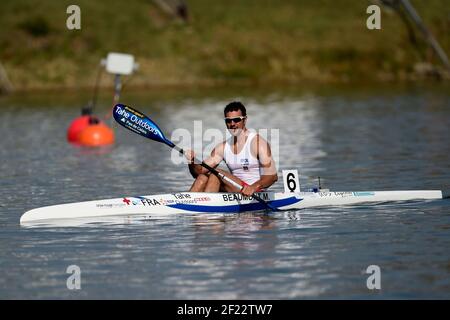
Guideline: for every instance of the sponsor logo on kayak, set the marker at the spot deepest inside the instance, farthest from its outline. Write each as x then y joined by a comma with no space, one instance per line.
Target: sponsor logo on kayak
202,199
342,194
181,195
168,202
185,198
324,194
110,205
363,194
141,201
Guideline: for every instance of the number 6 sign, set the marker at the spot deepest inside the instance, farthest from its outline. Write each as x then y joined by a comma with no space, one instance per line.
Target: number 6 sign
290,181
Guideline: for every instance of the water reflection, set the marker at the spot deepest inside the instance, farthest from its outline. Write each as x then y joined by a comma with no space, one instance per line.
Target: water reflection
252,246
242,224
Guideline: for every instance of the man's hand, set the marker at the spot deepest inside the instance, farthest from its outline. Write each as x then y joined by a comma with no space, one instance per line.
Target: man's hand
248,190
190,155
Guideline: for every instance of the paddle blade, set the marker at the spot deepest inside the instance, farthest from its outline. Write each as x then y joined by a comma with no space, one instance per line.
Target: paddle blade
139,123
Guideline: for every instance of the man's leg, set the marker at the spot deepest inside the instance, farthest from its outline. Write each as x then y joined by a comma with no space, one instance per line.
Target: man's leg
225,186
213,184
199,183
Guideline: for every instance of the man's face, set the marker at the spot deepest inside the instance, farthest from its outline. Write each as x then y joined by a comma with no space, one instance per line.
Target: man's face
235,122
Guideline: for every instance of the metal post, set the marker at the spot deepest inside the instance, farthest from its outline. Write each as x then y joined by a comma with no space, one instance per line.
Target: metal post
427,33
5,84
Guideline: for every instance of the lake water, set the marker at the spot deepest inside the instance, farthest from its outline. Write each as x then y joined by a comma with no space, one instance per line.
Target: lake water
353,138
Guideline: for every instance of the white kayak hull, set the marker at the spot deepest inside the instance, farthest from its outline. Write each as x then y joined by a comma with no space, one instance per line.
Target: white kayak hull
215,203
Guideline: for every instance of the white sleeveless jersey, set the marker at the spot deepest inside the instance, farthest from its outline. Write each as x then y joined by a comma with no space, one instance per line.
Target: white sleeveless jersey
242,165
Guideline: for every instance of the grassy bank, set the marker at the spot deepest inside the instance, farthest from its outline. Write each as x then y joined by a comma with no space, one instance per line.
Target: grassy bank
225,41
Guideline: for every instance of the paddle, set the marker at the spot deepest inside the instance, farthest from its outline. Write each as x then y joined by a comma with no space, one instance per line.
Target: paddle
139,123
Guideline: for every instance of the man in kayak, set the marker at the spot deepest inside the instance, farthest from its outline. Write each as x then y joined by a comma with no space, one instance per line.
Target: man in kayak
246,154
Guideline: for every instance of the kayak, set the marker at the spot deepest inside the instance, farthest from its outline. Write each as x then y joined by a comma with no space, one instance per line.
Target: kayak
216,203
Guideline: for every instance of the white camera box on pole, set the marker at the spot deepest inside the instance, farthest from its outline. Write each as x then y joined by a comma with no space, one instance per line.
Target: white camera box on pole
120,63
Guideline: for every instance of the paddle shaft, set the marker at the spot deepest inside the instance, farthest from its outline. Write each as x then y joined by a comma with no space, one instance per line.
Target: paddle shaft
224,178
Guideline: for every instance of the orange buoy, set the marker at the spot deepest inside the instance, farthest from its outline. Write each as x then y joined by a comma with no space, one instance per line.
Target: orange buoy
76,127
95,135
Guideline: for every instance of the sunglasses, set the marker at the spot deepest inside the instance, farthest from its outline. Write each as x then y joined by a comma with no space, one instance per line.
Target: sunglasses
235,120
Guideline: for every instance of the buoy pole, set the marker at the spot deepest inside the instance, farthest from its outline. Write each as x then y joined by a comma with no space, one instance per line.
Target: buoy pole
5,85
116,98
117,88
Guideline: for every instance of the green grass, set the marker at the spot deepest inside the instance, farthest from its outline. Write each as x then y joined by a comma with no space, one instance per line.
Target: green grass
227,41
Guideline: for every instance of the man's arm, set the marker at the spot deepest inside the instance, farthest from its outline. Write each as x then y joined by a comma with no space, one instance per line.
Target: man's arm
213,160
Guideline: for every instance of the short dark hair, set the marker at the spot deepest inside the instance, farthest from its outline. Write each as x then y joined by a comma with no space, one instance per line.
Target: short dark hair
235,106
